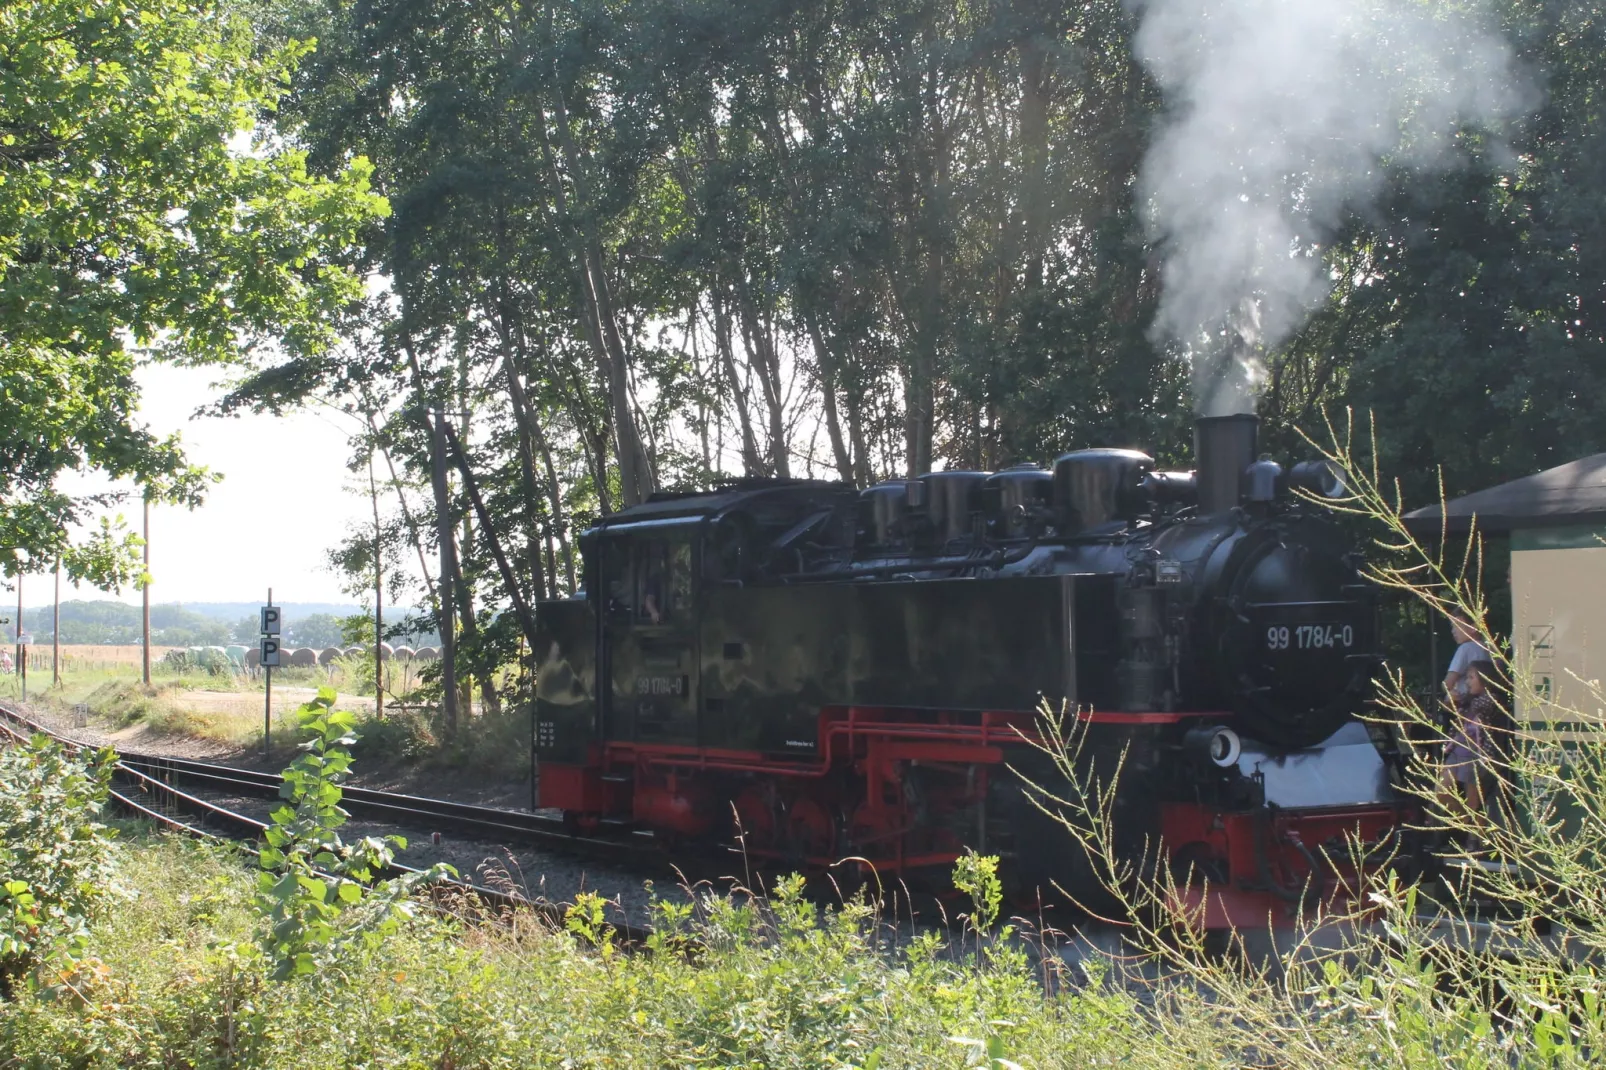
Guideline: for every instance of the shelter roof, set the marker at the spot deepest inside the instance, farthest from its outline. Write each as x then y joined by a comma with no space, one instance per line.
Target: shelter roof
1572,493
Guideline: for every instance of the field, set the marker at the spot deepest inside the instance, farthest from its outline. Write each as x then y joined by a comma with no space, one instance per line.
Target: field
217,716
81,658
103,684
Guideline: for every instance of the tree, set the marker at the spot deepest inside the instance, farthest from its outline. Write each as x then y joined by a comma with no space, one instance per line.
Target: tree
246,630
314,630
136,222
665,243
1469,314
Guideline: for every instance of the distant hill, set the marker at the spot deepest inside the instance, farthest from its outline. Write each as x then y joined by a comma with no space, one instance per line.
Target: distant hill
105,621
233,611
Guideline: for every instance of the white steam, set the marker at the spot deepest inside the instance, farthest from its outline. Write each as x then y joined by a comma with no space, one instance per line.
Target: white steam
1281,116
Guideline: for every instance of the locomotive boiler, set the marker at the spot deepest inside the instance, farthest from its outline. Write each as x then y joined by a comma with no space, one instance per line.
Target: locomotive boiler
817,672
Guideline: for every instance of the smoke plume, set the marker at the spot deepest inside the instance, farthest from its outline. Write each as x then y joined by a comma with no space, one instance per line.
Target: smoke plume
1281,116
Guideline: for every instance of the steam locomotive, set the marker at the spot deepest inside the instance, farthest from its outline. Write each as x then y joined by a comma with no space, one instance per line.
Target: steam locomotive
822,672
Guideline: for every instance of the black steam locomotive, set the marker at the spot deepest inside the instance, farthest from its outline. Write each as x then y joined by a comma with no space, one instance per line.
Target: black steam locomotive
824,672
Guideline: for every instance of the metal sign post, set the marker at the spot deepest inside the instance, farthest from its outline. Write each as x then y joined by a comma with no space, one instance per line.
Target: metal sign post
268,654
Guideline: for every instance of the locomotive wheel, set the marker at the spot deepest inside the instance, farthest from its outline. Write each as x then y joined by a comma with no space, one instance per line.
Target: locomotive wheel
811,828
874,837
755,819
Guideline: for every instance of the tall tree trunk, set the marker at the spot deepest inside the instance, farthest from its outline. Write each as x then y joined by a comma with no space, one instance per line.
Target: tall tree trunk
555,492
472,642
760,343
636,480
826,361
1034,165
407,513
446,534
493,540
379,594
751,464
522,418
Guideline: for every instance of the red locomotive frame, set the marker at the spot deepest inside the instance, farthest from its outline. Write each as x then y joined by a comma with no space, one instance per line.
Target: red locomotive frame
852,800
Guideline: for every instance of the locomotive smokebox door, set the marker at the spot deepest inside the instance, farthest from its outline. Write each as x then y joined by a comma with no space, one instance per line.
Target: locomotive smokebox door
649,631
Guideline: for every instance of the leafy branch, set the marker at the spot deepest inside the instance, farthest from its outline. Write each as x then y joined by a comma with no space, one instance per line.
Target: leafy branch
315,890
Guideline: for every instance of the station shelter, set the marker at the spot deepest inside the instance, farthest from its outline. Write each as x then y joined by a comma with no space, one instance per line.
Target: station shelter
1556,523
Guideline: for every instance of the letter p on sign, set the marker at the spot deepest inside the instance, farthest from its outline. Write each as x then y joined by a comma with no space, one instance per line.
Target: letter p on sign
270,620
269,653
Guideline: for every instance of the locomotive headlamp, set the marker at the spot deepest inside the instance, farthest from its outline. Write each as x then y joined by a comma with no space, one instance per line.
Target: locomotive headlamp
1218,743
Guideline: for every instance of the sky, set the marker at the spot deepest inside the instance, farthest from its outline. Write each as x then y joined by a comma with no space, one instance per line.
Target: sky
285,499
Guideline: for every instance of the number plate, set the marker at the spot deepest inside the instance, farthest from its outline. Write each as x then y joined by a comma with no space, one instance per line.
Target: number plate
1328,636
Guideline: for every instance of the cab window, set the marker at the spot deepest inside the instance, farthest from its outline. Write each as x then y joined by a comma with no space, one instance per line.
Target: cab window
650,579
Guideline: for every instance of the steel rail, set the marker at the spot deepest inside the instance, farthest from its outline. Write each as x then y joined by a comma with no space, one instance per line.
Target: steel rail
480,822
254,781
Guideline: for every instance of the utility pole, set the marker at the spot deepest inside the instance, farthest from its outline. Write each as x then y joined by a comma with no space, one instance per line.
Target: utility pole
55,633
21,633
379,597
267,701
145,585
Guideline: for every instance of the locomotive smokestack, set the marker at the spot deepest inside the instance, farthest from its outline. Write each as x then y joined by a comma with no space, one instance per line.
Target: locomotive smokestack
1223,446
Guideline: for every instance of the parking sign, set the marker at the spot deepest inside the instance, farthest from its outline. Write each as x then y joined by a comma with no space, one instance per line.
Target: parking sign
270,620
269,652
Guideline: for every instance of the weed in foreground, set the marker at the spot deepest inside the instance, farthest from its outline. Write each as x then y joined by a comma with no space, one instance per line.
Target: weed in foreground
56,860
317,891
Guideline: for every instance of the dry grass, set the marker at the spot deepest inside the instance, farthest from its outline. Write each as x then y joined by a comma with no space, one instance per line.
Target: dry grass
89,657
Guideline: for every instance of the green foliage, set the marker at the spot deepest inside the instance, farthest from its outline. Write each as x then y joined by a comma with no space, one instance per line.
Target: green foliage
977,876
313,888
56,858
106,621
398,736
119,623
585,918
132,222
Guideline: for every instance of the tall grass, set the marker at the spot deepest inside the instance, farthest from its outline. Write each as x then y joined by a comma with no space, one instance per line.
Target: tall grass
734,980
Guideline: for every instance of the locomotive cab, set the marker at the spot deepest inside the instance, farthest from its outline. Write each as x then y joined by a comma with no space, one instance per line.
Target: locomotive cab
648,634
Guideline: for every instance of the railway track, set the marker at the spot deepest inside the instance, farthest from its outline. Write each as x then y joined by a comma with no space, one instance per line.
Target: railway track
147,786
445,815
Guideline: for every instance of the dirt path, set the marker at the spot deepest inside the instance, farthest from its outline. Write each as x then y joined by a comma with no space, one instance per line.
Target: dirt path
249,703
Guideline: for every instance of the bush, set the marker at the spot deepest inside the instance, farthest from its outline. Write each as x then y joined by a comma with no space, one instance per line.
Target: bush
399,736
56,858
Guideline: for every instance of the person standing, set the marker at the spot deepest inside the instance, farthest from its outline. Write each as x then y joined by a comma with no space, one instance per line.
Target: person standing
1476,755
1468,650
1468,755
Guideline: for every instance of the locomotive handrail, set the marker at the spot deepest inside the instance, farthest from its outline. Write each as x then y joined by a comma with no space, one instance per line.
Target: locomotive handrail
997,559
